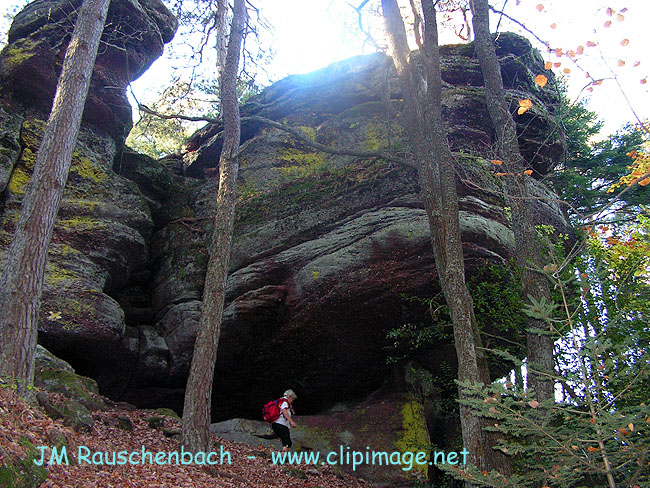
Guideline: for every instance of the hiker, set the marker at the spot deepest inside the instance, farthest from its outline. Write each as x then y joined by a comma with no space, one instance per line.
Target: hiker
284,422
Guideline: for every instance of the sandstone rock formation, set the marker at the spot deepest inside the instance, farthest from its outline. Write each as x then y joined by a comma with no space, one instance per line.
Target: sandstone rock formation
134,38
330,253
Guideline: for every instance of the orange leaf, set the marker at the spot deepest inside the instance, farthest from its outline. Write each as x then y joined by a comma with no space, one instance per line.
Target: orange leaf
580,49
621,62
598,82
524,105
558,51
566,71
637,63
592,449
625,42
620,17
609,11
645,182
501,174
553,25
607,24
644,80
571,53
497,162
539,7
533,403
528,172
541,80
549,65
591,44
630,426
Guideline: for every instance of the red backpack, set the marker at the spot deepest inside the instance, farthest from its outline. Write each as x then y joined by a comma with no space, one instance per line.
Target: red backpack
271,411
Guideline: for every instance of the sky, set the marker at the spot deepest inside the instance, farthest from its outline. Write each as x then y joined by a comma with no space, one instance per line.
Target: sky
310,34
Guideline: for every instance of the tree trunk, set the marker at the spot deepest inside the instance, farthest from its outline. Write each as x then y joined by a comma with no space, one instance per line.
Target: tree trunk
422,93
529,253
198,392
21,282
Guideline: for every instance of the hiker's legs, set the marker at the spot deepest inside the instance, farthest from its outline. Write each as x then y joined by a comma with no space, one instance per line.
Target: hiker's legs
283,433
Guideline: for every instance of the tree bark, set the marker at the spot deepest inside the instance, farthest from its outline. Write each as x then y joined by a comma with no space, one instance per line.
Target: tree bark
422,94
530,257
198,392
21,283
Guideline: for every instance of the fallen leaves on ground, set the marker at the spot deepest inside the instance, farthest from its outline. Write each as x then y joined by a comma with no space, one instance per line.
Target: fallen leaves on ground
19,421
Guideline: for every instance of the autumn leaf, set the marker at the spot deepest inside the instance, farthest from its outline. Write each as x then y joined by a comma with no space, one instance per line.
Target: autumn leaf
541,80
580,49
625,42
501,174
607,24
621,62
591,44
528,172
620,17
548,65
630,426
566,71
571,53
498,162
540,7
553,25
645,182
637,63
609,11
533,403
557,65
644,80
524,106
592,449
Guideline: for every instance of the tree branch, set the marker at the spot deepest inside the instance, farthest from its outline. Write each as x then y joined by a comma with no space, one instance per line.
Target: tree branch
297,134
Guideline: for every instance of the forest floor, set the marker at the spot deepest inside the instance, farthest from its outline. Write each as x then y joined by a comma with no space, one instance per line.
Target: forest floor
118,429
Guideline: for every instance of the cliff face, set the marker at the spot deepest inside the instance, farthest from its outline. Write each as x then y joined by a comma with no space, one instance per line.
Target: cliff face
329,252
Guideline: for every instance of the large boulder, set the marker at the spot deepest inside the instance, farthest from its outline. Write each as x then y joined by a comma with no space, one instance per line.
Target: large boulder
349,437
100,244
135,33
330,252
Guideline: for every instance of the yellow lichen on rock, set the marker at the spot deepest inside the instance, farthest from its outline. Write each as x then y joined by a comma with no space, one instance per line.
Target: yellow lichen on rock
86,169
416,435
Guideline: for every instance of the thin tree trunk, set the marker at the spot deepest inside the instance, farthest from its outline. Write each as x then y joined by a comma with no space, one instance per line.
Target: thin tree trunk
428,137
198,392
21,283
528,250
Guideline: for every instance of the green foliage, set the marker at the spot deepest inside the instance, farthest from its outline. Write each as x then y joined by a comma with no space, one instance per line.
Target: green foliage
599,433
23,472
159,137
496,293
590,168
410,338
